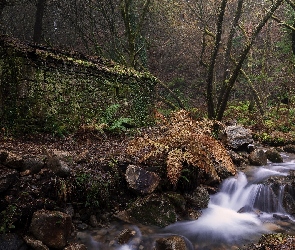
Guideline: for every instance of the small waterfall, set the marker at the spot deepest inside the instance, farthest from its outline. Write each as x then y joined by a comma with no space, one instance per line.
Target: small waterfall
244,208
237,213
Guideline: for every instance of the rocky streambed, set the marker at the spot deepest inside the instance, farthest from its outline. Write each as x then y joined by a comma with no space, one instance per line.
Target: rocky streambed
84,192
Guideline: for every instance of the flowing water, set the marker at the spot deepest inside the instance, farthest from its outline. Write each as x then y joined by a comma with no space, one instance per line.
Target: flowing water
239,213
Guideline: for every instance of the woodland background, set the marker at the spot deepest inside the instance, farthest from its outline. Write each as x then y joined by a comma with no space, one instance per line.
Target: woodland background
204,53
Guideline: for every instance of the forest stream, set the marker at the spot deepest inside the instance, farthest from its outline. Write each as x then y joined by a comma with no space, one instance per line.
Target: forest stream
243,209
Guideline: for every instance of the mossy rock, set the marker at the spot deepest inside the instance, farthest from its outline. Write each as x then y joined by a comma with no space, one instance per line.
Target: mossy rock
154,209
274,242
277,241
274,156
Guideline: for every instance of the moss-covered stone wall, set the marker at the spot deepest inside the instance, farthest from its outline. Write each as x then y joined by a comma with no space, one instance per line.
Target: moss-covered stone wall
48,90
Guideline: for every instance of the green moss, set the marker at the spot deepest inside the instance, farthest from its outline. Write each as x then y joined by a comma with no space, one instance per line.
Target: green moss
65,92
153,210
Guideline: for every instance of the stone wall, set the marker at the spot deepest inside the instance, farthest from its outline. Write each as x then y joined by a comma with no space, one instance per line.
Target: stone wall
50,90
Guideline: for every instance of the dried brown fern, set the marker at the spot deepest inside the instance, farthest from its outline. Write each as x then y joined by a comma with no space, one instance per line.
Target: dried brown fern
182,140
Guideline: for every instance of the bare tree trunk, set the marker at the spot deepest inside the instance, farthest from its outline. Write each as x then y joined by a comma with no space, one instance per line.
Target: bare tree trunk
37,36
210,75
228,49
244,54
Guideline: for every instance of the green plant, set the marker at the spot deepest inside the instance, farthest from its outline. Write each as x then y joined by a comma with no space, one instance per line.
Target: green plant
7,217
114,121
94,189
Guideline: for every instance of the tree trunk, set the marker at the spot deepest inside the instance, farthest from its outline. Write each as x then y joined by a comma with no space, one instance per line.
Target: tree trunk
37,36
210,75
244,54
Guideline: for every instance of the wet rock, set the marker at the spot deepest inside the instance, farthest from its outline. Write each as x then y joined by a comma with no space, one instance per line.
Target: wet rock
75,246
274,156
289,198
58,166
53,228
289,148
171,243
177,200
12,242
239,159
223,170
151,210
199,199
284,187
140,180
258,158
35,244
246,209
237,137
281,217
7,178
125,236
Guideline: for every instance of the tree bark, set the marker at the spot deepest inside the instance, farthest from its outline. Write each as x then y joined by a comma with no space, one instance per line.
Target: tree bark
210,75
37,36
243,56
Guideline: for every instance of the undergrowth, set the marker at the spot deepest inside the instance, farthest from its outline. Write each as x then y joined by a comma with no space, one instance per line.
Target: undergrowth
182,141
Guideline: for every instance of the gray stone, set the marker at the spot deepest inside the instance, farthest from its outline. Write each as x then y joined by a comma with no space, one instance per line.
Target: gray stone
93,221
258,158
237,136
140,180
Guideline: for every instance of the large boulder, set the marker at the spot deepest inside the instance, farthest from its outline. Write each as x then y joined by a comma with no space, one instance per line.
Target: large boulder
274,156
154,210
237,137
53,228
258,158
140,180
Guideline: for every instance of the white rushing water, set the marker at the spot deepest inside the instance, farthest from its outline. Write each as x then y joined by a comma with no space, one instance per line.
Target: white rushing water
240,212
